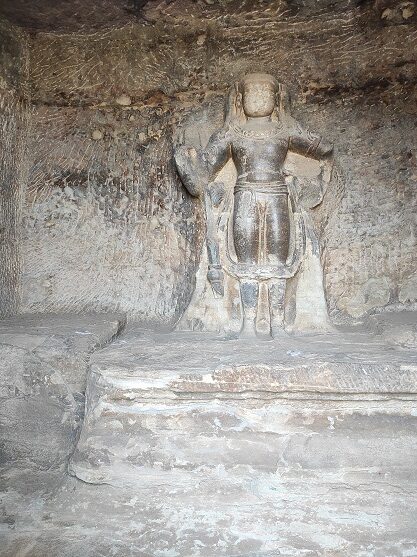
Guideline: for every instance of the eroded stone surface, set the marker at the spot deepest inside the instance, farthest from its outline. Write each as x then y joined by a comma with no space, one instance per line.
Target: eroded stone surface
242,512
216,398
203,362
397,327
313,455
113,205
13,165
43,370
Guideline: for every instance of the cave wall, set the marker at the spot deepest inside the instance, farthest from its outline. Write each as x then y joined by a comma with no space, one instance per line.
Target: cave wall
13,125
369,232
107,224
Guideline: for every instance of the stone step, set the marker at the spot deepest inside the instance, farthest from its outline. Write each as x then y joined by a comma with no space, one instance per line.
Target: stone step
168,402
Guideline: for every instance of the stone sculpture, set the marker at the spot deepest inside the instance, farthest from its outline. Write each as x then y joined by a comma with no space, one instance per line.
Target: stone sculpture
261,273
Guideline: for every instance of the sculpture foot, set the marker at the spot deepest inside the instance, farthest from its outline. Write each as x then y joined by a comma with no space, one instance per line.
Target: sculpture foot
248,330
279,332
263,329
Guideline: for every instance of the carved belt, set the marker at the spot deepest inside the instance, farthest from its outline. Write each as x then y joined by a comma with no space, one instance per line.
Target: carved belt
280,188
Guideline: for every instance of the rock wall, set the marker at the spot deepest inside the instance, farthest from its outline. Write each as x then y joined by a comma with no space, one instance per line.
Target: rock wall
13,123
107,224
369,232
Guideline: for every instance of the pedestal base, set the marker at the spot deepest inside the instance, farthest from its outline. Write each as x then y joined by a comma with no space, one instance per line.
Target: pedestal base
186,402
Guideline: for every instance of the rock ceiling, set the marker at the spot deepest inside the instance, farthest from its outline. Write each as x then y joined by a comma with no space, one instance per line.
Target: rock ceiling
67,16
71,15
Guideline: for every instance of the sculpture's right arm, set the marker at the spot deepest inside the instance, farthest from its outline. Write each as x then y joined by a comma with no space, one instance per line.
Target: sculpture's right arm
198,167
217,152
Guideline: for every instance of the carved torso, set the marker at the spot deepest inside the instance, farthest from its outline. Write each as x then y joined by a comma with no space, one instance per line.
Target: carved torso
259,154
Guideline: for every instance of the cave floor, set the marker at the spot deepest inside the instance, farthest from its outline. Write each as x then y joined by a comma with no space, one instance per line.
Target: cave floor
351,513
312,454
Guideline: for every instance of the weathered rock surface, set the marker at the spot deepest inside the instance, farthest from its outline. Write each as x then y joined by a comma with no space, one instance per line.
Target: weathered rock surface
246,512
43,367
13,130
245,437
303,446
218,398
299,447
397,327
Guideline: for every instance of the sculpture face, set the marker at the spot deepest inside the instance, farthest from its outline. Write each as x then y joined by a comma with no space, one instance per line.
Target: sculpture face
258,95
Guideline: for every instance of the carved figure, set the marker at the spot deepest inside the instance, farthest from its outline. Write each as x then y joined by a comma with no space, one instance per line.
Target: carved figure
256,231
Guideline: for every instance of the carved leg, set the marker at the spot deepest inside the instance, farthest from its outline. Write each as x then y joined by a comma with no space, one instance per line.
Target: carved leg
277,222
246,241
263,314
246,227
215,272
249,294
277,301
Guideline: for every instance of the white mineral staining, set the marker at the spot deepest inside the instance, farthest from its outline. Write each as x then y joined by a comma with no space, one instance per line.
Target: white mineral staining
124,100
407,10
97,135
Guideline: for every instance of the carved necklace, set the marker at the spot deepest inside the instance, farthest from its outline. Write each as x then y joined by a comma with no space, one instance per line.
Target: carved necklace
255,134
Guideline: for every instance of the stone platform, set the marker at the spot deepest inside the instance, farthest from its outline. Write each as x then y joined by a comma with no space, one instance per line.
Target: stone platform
312,405
43,368
303,447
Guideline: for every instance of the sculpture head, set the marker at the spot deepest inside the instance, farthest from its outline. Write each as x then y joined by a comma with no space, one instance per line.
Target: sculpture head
258,95
258,92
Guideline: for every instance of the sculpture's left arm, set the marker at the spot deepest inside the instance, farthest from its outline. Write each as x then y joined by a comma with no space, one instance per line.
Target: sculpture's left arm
197,167
308,143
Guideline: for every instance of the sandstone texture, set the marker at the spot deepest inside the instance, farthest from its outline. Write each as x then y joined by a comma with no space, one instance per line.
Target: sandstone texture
216,396
13,130
299,446
396,328
43,371
194,445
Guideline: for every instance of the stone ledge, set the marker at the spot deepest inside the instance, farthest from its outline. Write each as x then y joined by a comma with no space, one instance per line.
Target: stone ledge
183,401
145,364
43,369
